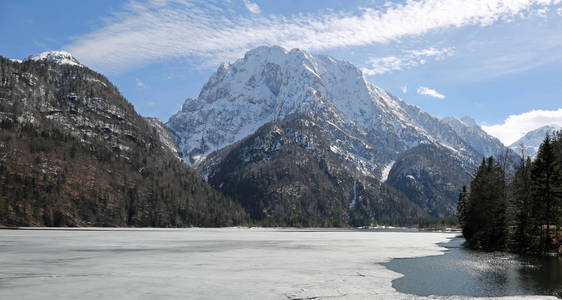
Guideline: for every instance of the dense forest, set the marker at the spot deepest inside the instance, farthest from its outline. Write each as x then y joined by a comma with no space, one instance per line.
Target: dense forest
73,152
518,211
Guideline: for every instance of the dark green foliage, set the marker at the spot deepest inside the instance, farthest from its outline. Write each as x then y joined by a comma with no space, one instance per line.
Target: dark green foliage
462,206
546,177
484,217
522,216
524,234
75,153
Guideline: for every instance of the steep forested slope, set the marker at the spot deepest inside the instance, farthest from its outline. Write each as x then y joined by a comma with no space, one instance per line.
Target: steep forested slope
286,173
74,152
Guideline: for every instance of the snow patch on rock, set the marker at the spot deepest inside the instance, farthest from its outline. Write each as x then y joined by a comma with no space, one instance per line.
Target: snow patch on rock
271,83
386,171
59,57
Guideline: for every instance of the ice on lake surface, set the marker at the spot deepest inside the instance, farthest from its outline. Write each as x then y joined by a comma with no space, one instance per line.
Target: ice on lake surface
228,263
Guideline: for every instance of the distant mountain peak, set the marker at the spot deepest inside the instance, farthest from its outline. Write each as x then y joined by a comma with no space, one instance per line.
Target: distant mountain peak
60,57
468,120
288,122
264,50
467,128
533,139
268,83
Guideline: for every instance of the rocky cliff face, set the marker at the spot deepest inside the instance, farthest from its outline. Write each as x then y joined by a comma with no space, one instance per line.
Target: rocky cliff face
167,139
430,178
288,173
477,138
74,152
365,128
270,83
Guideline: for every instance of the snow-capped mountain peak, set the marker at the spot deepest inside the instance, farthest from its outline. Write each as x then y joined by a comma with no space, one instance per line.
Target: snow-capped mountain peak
529,144
469,121
467,128
268,84
368,126
59,57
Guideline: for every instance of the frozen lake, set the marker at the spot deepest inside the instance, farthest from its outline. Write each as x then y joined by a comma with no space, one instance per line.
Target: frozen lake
207,263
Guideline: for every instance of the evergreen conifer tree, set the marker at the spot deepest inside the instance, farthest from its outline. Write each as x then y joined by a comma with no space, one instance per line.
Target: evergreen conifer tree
545,177
523,236
462,206
485,219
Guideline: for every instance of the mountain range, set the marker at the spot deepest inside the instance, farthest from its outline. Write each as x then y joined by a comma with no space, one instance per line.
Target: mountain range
278,128
279,137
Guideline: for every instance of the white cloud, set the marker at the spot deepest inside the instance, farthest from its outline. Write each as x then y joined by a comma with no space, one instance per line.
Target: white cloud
150,31
252,7
429,92
404,89
409,59
140,84
542,12
516,126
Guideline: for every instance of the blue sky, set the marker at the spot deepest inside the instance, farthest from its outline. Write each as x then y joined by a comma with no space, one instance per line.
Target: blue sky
499,61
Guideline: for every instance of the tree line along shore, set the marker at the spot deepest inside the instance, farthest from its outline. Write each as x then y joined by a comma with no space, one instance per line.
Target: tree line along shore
518,209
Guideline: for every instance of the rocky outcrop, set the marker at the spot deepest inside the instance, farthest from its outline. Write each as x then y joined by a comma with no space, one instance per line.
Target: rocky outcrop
367,131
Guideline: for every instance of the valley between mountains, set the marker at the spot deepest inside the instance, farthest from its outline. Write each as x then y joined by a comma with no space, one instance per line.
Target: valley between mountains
277,138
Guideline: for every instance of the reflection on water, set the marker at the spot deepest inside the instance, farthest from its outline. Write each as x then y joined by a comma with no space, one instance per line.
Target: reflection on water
470,273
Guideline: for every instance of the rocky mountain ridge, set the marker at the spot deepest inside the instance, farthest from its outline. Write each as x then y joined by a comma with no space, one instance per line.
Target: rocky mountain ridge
467,128
73,152
365,128
270,83
294,139
57,57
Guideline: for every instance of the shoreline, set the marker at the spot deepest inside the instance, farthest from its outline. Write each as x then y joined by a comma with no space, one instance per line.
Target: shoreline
286,229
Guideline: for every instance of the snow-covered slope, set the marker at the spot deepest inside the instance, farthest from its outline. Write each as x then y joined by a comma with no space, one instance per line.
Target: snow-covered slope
531,141
166,138
467,128
368,126
59,57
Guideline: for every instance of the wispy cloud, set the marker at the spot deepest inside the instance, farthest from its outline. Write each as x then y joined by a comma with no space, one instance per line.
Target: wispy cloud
409,59
429,92
146,32
516,126
535,46
252,7
140,84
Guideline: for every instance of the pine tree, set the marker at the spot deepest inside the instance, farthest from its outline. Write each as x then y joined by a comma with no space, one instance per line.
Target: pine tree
557,186
471,213
462,206
523,238
485,215
545,176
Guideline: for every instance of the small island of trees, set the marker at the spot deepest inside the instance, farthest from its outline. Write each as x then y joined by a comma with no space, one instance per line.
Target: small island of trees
520,212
